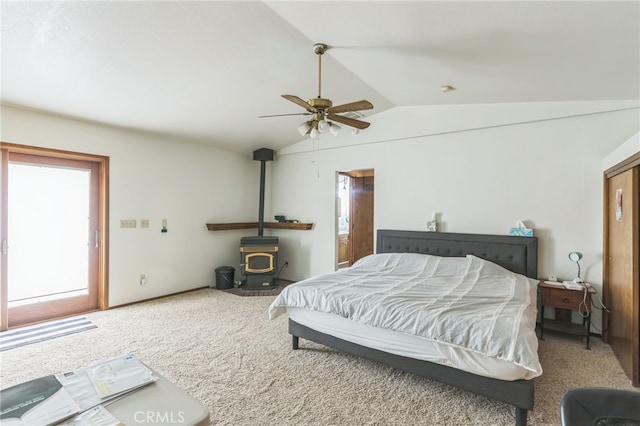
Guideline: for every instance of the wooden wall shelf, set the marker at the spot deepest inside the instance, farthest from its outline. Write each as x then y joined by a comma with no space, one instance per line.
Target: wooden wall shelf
251,225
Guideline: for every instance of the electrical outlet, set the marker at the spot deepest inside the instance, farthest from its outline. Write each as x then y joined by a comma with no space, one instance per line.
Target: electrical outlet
143,280
144,223
128,223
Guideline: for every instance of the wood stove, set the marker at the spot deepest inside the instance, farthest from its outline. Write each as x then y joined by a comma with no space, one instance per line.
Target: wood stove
259,254
259,261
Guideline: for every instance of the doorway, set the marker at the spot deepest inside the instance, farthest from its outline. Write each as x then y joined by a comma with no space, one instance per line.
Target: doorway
354,216
53,234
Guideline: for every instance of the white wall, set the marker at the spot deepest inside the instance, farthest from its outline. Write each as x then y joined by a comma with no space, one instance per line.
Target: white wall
627,150
482,166
155,178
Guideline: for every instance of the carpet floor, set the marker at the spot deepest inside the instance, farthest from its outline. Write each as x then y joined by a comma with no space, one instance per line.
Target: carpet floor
223,350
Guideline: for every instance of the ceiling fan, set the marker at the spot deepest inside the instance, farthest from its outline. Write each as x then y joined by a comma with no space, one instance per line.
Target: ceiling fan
322,110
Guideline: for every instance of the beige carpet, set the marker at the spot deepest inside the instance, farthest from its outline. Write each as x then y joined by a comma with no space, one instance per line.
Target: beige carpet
223,350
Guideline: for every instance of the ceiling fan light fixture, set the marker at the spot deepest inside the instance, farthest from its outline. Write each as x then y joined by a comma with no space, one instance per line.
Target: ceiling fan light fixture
334,128
322,109
323,126
303,128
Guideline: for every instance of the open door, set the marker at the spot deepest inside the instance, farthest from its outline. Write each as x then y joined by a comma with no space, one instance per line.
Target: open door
361,223
354,212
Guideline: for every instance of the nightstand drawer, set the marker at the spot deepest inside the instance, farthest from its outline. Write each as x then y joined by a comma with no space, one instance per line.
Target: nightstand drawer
562,298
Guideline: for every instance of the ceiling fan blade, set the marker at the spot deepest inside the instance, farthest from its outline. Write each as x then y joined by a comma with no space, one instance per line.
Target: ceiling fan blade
296,100
348,121
352,106
284,115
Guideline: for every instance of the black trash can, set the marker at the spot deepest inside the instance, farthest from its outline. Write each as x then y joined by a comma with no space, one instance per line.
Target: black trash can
225,277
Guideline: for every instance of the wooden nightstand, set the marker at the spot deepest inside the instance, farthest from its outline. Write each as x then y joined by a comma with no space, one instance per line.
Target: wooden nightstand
565,301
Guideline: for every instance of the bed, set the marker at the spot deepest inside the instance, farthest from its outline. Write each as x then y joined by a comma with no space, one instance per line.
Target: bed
371,328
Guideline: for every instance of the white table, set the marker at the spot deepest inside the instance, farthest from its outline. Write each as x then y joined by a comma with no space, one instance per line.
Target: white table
160,403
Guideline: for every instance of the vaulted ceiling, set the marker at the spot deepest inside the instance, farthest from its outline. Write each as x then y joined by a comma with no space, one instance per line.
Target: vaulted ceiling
205,71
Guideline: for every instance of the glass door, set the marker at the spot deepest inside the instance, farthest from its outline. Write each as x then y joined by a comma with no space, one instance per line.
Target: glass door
52,237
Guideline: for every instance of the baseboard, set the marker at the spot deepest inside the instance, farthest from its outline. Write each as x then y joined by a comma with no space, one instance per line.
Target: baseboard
156,298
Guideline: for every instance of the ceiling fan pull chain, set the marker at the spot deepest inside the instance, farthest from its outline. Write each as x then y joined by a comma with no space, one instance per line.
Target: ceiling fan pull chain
320,75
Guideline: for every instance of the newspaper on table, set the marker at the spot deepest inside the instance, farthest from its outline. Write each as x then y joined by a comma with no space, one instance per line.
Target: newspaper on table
96,416
77,395
106,380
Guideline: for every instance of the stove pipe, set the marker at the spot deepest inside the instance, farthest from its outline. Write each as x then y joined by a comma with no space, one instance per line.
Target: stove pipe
263,155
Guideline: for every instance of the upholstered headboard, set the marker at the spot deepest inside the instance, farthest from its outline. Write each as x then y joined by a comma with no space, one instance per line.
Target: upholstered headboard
518,254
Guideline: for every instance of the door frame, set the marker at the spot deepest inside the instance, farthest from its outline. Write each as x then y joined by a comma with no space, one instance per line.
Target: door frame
102,163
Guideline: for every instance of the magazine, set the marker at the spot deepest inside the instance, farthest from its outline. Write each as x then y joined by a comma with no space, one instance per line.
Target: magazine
43,401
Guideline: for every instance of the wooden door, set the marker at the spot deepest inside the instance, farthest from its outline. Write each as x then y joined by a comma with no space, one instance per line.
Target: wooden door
361,218
621,272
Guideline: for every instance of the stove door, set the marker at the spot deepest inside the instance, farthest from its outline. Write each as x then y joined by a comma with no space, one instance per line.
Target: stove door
259,263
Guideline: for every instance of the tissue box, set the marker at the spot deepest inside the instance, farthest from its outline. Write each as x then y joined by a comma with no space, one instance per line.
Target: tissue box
521,232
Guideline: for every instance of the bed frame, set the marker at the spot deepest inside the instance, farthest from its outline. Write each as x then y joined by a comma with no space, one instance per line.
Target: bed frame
518,254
